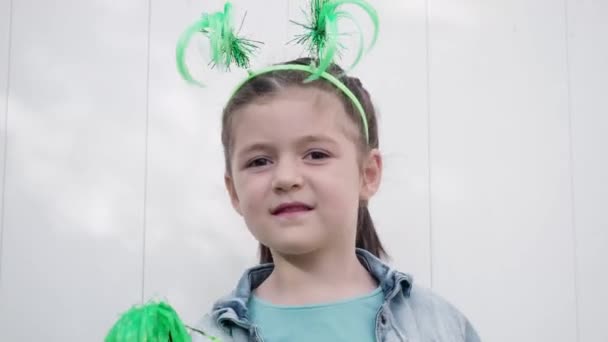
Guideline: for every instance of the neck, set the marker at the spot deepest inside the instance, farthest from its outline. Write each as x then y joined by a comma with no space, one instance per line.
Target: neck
316,277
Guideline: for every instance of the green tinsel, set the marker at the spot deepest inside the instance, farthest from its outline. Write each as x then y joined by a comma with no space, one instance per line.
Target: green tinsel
226,47
152,322
321,33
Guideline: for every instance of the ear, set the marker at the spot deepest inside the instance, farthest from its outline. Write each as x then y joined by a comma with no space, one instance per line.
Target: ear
234,199
371,175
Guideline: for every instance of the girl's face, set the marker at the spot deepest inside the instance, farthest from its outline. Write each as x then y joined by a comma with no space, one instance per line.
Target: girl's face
298,146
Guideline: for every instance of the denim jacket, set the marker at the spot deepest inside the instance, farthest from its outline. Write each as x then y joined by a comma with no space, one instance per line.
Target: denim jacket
409,313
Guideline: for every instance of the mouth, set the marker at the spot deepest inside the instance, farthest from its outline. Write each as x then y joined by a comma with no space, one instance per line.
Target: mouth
291,208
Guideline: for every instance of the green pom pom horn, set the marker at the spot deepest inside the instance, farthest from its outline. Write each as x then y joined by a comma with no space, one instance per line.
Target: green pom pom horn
321,36
226,47
153,322
156,322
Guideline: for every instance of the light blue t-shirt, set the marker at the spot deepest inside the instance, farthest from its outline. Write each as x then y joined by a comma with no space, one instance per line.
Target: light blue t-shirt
352,320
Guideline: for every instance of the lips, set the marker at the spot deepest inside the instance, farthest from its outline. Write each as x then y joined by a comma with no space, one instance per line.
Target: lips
290,207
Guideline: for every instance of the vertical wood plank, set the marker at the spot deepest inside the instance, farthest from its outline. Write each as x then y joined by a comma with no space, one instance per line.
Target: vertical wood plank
588,57
500,171
72,244
5,19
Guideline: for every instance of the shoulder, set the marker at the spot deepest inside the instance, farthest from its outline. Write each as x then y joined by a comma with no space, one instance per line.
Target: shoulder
435,315
425,299
207,330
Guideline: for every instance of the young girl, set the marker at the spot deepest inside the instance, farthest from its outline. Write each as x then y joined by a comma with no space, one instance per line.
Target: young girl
301,166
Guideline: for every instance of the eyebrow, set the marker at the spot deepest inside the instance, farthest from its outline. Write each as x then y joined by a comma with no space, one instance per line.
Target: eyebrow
302,141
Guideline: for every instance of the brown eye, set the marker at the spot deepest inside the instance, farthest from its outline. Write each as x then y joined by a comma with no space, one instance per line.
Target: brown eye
316,155
258,162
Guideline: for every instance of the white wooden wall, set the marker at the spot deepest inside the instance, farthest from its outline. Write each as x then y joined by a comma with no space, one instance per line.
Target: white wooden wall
493,119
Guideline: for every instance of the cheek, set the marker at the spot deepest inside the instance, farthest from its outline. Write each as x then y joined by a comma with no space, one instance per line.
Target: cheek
251,190
341,187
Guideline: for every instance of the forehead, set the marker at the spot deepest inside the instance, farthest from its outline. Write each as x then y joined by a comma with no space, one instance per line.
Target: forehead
293,112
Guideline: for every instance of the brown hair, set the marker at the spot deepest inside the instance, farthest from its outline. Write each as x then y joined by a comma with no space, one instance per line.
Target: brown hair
269,84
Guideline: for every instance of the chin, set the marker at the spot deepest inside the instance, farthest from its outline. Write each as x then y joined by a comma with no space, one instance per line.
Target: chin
295,249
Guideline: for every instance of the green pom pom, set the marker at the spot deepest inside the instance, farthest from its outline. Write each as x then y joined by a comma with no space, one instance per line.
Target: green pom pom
153,322
226,47
321,33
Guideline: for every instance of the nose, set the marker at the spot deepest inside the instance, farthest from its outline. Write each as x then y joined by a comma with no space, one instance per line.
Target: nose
287,176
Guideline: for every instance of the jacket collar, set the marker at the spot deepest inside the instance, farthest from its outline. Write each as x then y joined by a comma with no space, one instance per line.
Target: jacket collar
233,307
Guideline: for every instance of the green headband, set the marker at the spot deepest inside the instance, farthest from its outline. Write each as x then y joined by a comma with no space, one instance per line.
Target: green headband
329,77
320,39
